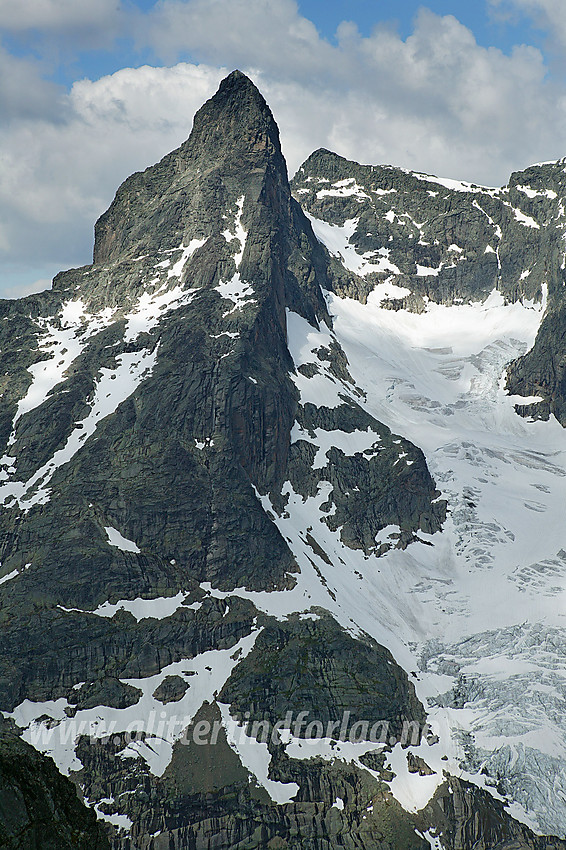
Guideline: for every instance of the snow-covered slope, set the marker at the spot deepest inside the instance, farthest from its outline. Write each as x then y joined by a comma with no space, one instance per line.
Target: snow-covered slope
477,612
481,607
488,598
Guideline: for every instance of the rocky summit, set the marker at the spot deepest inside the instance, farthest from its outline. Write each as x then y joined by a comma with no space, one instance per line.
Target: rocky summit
281,488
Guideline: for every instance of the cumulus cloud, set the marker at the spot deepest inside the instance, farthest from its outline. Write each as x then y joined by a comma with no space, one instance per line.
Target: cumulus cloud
58,176
547,15
24,93
60,17
268,34
435,102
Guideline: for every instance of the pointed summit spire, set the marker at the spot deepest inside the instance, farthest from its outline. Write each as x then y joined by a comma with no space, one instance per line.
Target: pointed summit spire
236,120
233,145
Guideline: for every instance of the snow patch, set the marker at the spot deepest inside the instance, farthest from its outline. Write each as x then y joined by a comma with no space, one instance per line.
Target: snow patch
350,443
63,338
151,307
455,185
256,758
9,576
163,724
337,239
239,233
238,291
525,220
116,539
304,341
411,790
534,193
112,388
387,290
343,189
158,609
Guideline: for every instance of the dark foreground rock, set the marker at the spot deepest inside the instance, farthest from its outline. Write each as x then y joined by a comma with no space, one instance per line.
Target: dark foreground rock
39,808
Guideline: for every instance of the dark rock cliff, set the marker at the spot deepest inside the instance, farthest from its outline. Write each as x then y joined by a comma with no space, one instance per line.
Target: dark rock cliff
39,808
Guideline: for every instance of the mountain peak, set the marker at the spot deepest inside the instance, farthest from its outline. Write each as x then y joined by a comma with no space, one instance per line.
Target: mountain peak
236,118
234,140
237,79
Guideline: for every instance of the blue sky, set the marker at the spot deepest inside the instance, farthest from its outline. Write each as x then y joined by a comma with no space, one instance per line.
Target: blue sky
91,91
488,27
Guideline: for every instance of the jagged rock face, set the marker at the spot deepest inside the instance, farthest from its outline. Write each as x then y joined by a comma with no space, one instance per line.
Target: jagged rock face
457,280
199,510
443,240
39,808
234,145
540,372
468,817
306,665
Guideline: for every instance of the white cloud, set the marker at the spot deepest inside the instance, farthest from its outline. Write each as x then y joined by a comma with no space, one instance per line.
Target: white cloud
435,102
268,34
23,91
58,177
57,15
548,15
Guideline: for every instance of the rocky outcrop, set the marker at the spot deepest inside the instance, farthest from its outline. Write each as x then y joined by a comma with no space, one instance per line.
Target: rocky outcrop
392,493
39,808
541,372
447,241
467,816
310,664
